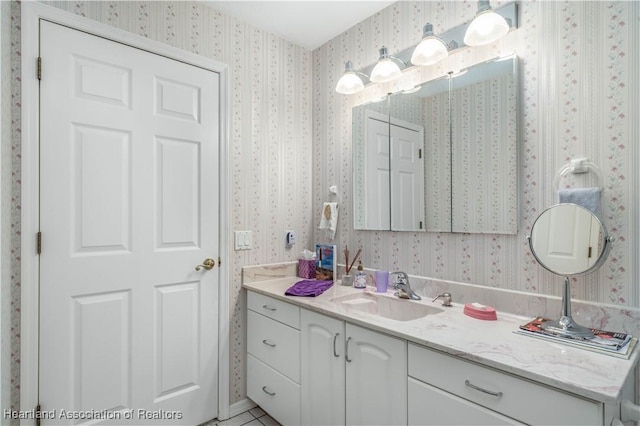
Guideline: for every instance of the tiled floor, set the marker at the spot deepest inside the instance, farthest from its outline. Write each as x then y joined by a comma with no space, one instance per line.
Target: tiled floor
253,417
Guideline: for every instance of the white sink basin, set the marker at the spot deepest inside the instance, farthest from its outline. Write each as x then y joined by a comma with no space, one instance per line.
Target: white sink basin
384,306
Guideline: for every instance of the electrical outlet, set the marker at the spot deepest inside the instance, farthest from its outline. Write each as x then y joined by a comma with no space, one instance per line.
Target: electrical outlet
291,238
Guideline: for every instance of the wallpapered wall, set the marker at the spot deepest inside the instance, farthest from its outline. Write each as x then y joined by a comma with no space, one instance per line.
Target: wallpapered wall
270,140
579,67
579,85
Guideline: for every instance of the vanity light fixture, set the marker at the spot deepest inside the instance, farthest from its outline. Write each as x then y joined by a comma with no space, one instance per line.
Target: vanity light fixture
350,82
386,69
486,27
430,50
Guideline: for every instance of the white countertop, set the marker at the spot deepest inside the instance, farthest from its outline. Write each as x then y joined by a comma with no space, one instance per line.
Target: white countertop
491,343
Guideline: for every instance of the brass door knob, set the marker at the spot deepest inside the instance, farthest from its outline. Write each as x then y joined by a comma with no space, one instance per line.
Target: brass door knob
207,264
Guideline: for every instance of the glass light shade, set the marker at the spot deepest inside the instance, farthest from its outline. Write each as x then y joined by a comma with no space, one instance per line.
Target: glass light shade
349,84
385,70
486,28
430,51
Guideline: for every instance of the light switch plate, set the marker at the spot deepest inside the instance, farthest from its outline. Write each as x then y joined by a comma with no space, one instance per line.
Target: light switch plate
243,240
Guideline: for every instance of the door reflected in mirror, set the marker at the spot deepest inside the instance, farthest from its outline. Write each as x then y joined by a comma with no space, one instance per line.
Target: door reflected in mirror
389,182
568,240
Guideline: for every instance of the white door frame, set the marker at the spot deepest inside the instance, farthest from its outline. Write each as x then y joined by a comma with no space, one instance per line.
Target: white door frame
32,12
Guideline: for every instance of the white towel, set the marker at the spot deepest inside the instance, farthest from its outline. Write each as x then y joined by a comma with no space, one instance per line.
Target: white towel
588,198
329,219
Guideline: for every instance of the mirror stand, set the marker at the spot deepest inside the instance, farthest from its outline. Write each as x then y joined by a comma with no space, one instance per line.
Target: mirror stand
566,326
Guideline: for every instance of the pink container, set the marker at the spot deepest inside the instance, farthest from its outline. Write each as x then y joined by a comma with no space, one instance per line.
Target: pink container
306,268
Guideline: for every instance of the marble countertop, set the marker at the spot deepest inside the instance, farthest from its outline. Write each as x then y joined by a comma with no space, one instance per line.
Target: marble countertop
491,343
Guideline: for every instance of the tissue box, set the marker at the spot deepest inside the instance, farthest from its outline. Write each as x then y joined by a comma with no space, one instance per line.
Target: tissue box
306,268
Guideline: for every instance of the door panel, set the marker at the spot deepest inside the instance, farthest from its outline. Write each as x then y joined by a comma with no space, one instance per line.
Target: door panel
407,176
100,350
101,178
178,178
129,206
378,212
178,347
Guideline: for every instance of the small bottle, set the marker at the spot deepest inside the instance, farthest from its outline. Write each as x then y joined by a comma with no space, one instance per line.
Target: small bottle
360,280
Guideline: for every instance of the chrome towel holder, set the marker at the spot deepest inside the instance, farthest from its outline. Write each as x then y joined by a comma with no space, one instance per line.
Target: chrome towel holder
577,166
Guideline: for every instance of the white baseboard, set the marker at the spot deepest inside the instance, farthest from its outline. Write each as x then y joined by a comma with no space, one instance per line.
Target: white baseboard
240,407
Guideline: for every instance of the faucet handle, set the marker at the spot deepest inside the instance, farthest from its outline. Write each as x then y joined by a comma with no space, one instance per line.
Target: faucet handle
401,275
446,299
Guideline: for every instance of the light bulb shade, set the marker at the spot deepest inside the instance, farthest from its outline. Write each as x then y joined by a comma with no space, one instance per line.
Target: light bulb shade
486,28
349,83
385,70
430,51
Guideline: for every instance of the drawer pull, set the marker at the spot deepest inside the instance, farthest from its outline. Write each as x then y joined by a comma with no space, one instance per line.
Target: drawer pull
472,386
267,391
268,343
335,338
346,350
269,308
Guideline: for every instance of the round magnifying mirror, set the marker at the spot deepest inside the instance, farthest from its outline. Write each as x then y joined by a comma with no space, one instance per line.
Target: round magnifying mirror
568,240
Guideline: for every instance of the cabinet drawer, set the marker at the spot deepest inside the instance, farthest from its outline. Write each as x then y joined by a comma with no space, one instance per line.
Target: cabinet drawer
432,406
273,392
273,308
520,399
275,344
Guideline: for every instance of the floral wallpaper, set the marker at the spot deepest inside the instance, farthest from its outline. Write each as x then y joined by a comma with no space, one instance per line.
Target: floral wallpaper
270,127
290,139
577,66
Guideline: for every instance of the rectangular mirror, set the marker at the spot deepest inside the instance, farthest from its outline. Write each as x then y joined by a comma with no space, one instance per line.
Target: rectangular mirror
371,165
459,133
484,131
389,166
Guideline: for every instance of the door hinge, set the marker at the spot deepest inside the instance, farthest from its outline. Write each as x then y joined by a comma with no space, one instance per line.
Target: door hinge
39,68
39,242
420,224
420,153
38,414
590,252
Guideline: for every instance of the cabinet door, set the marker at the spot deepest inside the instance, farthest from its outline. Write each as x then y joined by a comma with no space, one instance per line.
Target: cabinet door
322,364
432,406
376,371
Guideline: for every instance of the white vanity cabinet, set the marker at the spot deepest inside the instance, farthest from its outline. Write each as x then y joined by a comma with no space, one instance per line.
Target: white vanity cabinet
351,374
447,390
376,378
273,357
323,369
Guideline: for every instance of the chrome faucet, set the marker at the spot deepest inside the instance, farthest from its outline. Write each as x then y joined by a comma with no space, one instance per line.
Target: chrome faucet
402,285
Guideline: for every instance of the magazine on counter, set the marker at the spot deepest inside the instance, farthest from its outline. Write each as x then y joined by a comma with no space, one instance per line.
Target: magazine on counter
610,342
326,262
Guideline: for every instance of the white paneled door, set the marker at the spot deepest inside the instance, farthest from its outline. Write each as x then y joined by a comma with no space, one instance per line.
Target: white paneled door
129,207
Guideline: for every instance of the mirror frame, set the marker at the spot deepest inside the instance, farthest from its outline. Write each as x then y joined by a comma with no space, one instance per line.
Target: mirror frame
607,239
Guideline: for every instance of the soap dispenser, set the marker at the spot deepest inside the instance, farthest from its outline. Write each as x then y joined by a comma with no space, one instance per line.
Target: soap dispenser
360,280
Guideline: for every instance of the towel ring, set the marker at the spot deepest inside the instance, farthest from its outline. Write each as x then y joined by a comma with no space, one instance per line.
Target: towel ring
580,165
